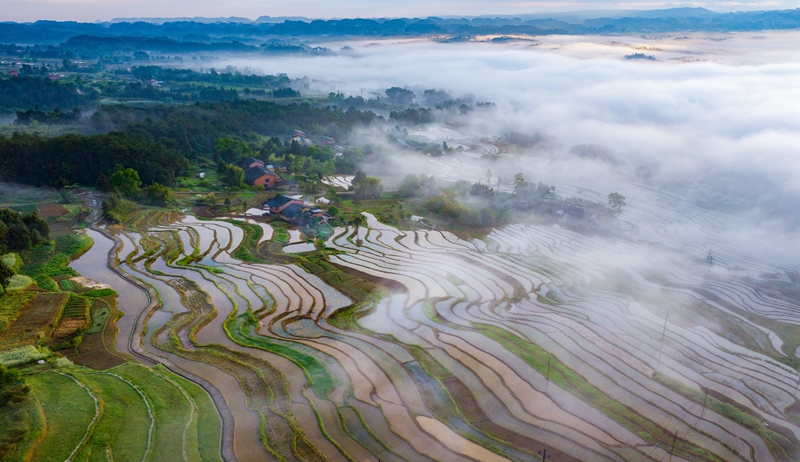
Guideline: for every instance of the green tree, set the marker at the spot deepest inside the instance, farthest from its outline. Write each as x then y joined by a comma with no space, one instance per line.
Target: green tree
616,201
126,182
366,187
6,274
229,150
212,200
333,211
13,388
519,183
231,175
411,184
297,164
158,194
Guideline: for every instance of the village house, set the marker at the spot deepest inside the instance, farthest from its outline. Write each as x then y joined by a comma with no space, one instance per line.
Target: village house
250,162
326,141
279,203
296,211
296,135
260,176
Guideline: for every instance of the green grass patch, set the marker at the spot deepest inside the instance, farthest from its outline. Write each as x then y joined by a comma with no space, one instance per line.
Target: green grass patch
97,293
280,235
68,410
124,424
252,234
45,282
208,426
27,208
170,407
73,244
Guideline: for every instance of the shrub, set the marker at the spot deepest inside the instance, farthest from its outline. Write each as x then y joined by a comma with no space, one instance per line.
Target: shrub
19,282
12,260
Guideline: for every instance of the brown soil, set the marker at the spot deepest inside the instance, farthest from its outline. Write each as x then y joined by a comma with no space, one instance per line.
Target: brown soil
40,316
51,210
203,211
92,353
67,328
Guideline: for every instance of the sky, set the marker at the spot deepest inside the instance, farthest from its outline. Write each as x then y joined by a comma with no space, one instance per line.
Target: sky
104,10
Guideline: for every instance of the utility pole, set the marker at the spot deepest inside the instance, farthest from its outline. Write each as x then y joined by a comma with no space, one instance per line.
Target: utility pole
710,260
704,404
797,387
544,455
547,384
663,334
673,445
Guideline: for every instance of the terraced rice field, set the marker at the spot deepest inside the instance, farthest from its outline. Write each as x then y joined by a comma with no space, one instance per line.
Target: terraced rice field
128,413
423,346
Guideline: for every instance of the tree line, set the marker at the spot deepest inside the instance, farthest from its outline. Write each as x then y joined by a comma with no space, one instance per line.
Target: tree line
23,93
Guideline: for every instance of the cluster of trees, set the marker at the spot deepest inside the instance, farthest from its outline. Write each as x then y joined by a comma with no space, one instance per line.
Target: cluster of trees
13,390
285,92
21,231
413,116
366,187
71,159
539,192
56,116
418,186
23,93
125,186
182,93
192,130
230,77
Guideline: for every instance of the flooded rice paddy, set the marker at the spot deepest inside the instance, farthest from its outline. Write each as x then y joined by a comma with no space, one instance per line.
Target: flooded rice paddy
534,337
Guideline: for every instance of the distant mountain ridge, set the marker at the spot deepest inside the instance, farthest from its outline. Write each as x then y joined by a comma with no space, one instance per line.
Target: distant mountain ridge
233,30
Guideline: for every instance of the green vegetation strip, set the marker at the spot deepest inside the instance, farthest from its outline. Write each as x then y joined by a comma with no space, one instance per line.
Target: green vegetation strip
242,330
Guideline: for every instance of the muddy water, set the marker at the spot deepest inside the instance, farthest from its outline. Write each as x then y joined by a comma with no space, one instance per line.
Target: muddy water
132,300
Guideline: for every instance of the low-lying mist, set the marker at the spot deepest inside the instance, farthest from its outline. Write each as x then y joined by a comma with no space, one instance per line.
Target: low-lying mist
717,116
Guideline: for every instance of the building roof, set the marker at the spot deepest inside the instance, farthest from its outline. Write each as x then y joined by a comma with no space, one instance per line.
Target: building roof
292,210
252,174
247,161
279,201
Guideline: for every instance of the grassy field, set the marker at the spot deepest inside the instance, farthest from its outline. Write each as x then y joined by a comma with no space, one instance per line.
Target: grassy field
132,399
68,410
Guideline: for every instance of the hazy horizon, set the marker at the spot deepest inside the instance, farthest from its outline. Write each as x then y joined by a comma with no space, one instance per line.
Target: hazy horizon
107,10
